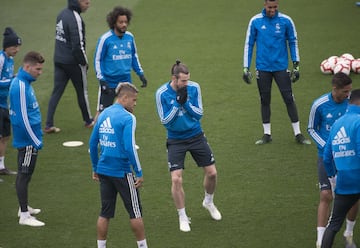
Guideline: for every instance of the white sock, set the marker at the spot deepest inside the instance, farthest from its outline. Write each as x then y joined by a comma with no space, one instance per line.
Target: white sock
349,228
142,243
296,127
267,128
2,164
182,213
209,198
101,243
320,234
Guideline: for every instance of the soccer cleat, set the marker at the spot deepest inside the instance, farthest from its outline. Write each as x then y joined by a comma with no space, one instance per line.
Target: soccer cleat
214,212
349,242
301,139
6,171
264,140
52,129
32,211
184,223
31,221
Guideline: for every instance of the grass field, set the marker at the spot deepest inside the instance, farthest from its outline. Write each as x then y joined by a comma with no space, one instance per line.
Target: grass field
267,194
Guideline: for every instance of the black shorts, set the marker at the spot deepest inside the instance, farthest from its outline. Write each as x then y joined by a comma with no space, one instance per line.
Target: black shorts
198,147
324,183
27,157
110,186
5,127
106,98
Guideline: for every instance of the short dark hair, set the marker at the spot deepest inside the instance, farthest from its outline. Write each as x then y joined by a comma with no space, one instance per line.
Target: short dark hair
112,16
340,80
178,68
355,97
33,58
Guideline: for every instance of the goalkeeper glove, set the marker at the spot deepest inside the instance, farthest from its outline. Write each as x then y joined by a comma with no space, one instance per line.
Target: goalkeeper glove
247,75
295,74
143,80
181,95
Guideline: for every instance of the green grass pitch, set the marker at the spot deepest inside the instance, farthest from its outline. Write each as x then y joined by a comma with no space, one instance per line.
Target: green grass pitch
267,194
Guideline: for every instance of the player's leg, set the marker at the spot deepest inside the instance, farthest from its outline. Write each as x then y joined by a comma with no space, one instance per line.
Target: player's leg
325,200
350,223
5,132
61,79
108,203
131,199
342,204
176,151
79,80
201,152
264,83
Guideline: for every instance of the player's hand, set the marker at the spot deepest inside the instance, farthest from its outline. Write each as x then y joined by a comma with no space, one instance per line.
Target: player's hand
143,80
181,95
95,176
139,182
247,76
104,87
295,73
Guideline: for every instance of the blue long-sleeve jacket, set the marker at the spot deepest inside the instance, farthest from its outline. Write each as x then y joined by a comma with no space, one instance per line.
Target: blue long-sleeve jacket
323,113
114,135
115,57
343,146
181,122
272,36
6,75
24,111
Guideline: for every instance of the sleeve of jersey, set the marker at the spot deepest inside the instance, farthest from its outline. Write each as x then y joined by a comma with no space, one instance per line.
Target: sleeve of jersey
328,158
129,143
314,121
249,44
98,58
194,105
167,112
77,40
293,41
136,61
358,140
93,146
22,108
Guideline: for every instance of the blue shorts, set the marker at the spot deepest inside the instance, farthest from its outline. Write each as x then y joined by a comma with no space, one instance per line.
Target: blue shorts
110,187
198,147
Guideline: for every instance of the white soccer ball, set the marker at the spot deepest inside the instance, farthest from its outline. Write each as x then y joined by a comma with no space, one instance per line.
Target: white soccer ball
355,65
332,61
342,67
347,56
344,61
325,67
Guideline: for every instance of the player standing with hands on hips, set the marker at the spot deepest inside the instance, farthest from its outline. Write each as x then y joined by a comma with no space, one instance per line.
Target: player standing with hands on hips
325,110
179,105
25,119
115,57
114,136
343,149
11,46
272,32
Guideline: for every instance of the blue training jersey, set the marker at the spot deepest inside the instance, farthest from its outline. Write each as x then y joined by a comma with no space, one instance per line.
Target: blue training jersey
272,36
324,112
343,146
25,115
181,121
115,57
6,75
114,135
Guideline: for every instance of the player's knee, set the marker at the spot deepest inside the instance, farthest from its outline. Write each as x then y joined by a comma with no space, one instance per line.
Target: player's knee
326,196
265,99
288,99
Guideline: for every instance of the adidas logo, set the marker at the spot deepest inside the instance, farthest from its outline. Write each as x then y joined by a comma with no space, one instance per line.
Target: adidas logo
340,137
329,115
105,127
